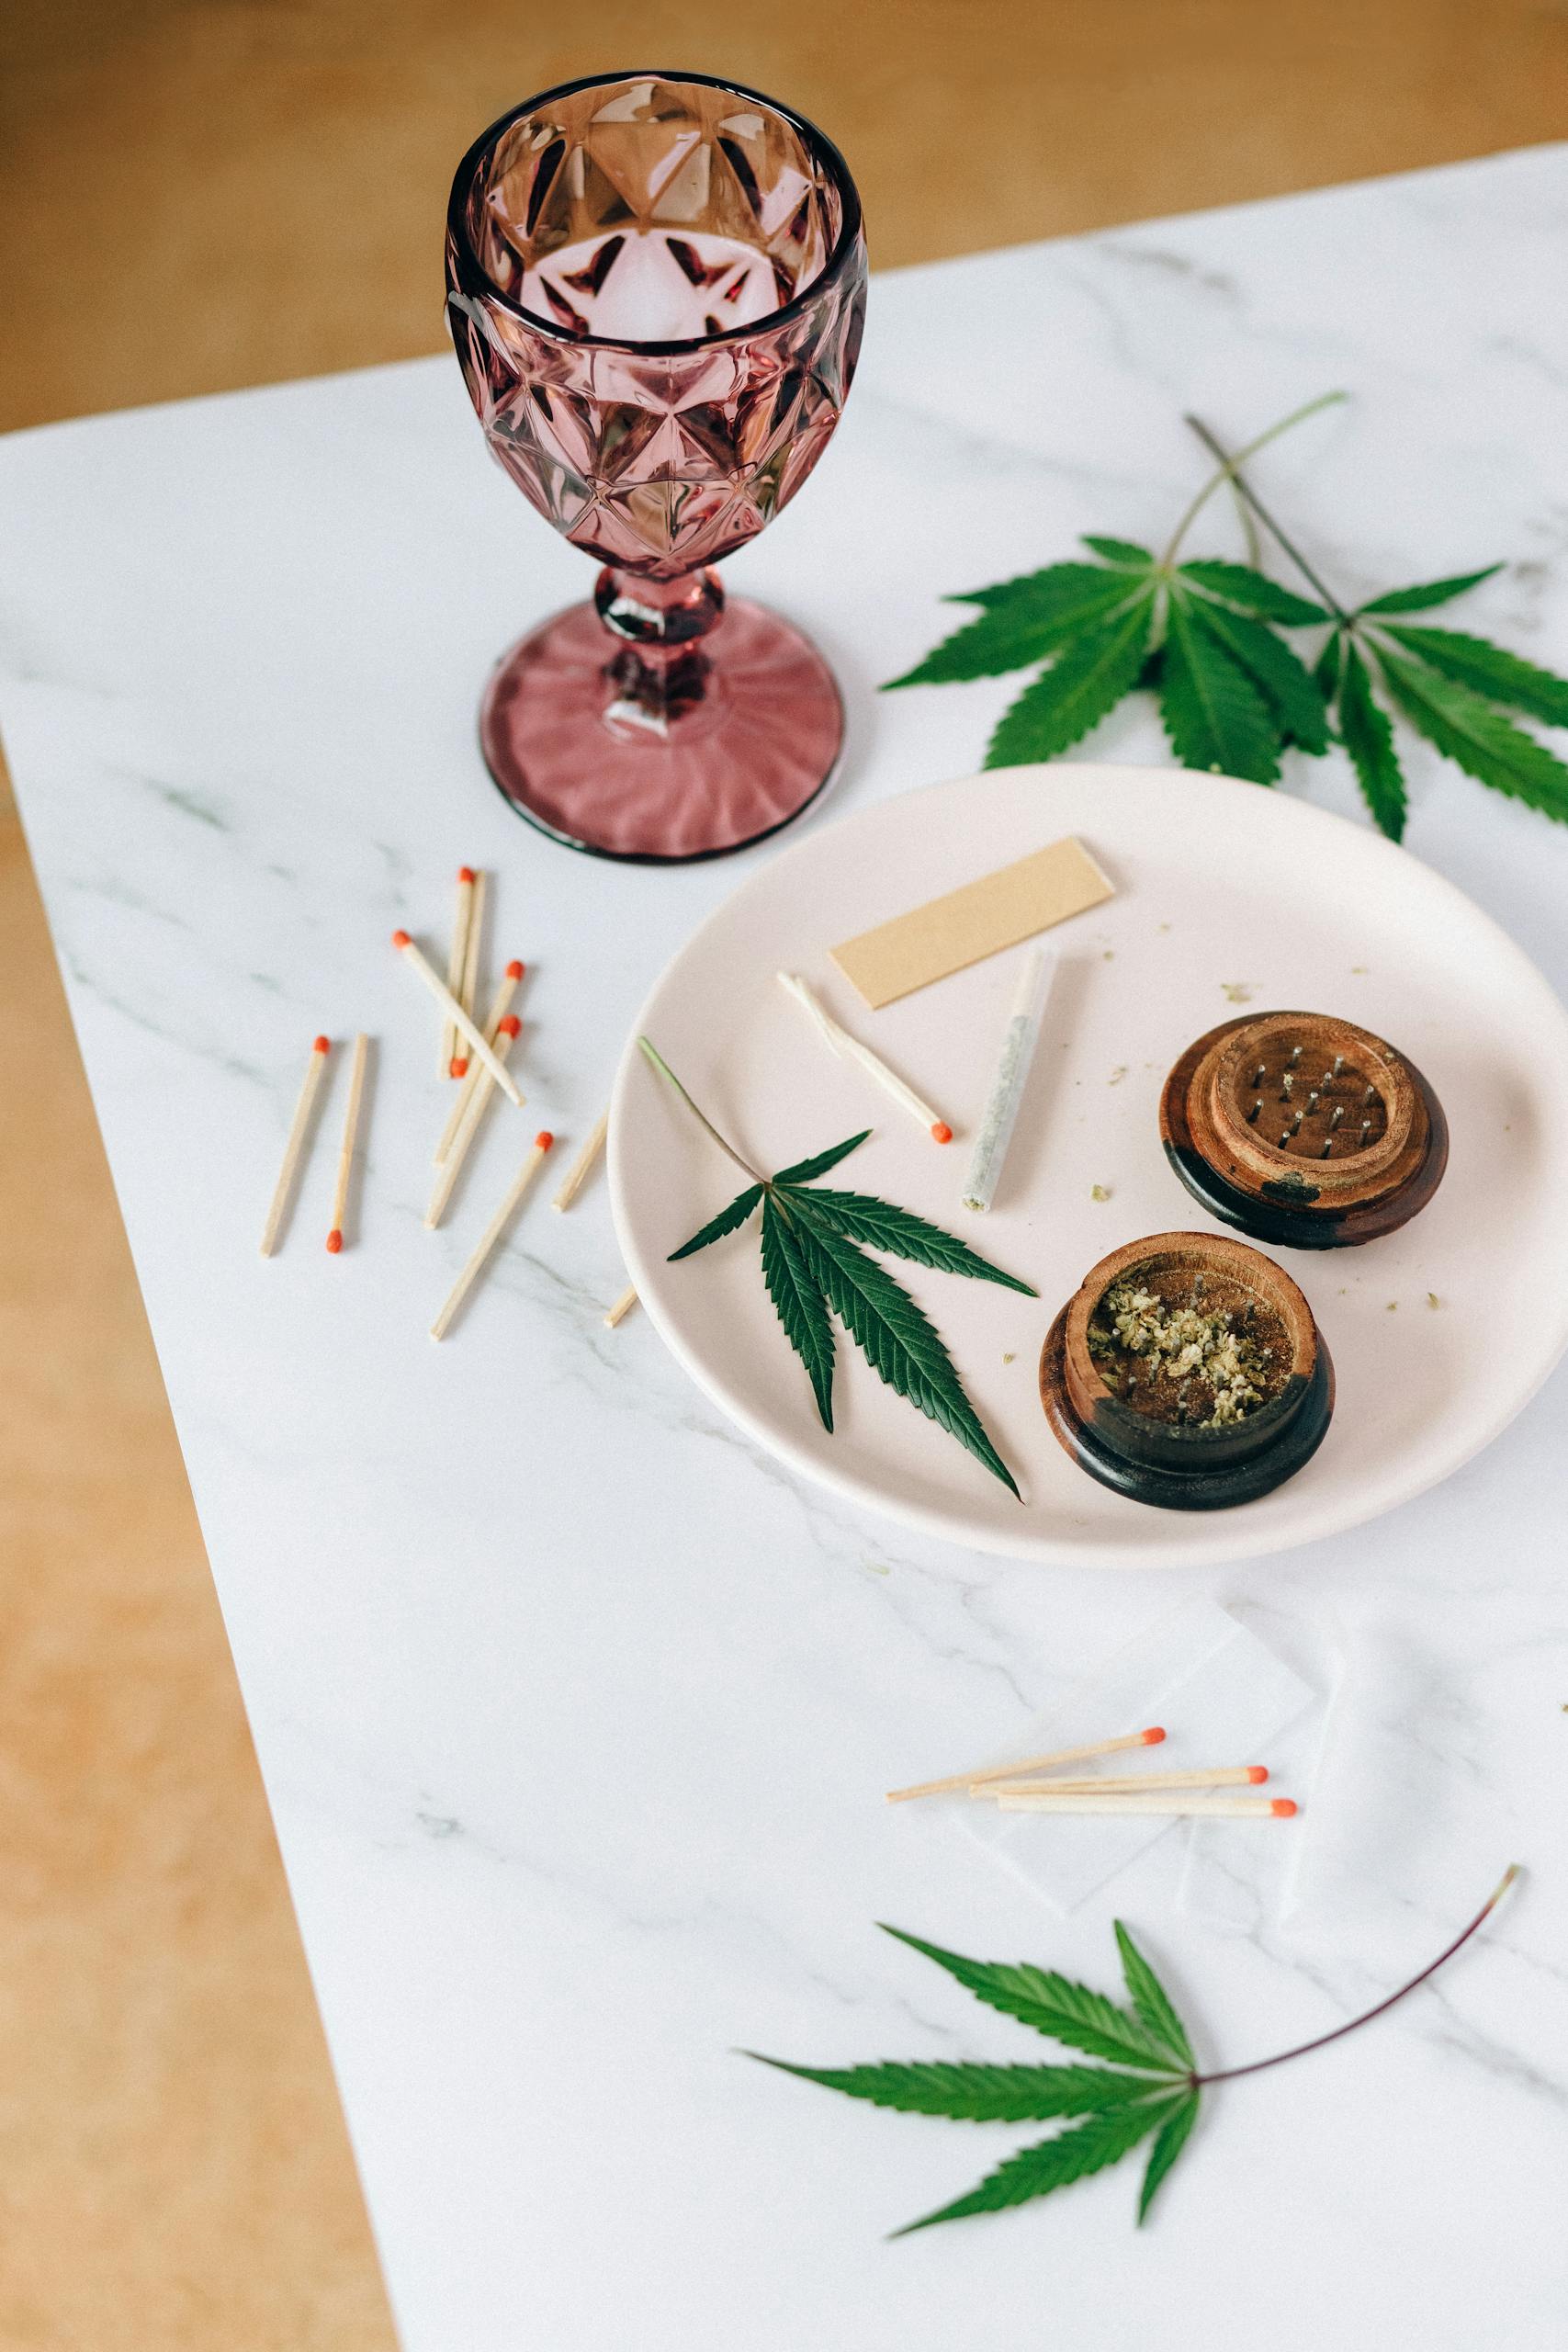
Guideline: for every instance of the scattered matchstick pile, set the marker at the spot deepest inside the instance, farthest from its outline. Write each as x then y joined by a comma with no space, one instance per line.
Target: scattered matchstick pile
474,1054
1012,1787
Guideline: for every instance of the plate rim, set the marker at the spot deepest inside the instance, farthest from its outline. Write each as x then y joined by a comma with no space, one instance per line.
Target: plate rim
1186,1545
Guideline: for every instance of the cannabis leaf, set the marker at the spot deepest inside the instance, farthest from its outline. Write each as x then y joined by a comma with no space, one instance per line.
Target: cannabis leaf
1442,681
1152,2002
815,1265
1153,2088
1205,637
1052,2163
1053,2005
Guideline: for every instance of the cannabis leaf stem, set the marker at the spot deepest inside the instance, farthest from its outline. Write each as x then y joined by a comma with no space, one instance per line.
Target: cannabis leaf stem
657,1058
1230,469
1320,2042
1228,466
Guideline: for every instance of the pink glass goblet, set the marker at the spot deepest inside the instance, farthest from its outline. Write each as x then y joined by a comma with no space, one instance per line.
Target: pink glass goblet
656,284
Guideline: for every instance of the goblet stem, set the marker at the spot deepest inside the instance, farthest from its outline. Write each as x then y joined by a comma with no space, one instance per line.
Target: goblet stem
657,671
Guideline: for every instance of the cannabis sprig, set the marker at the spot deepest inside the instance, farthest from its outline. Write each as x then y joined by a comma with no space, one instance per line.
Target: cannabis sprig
1444,683
1205,637
1151,2089
815,1267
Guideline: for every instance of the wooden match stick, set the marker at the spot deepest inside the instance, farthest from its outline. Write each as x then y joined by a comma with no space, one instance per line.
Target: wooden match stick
350,1138
461,1020
1223,1776
1232,1808
456,960
492,1233
839,1041
1149,1738
477,1096
469,989
500,1004
293,1148
622,1307
578,1173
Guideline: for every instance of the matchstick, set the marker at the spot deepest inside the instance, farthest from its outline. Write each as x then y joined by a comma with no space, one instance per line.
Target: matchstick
621,1309
456,960
1230,1808
350,1138
1227,1776
476,1094
463,1021
581,1166
492,1233
293,1148
839,1041
500,1004
1149,1738
469,992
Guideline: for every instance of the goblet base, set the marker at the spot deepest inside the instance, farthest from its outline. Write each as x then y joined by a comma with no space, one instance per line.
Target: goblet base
598,773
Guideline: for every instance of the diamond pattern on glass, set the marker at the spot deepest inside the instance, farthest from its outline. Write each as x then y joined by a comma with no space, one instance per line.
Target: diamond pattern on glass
656,212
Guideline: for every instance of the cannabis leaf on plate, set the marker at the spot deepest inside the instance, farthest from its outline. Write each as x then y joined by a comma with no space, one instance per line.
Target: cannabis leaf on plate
1148,2089
814,1246
1206,637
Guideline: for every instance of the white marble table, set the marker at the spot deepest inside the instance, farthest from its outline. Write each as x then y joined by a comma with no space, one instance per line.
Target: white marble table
572,1709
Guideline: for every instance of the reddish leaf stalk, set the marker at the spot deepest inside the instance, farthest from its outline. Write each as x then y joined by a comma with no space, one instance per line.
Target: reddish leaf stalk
1259,2065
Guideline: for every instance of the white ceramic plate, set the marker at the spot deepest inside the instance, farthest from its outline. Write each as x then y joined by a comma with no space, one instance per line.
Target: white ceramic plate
1227,894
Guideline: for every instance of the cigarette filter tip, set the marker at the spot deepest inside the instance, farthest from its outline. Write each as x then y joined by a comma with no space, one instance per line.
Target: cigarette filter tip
515,970
458,1066
335,1240
401,939
1283,1807
1154,1734
323,1045
464,874
544,1139
510,1027
1257,1773
942,1132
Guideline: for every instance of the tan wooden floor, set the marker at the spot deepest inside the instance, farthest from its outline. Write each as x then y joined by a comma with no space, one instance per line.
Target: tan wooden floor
196,194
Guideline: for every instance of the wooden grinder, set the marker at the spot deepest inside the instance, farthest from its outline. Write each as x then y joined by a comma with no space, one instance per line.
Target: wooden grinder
1120,1434
1303,1129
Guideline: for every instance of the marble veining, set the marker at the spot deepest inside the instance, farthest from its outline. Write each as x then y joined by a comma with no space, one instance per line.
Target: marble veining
574,1708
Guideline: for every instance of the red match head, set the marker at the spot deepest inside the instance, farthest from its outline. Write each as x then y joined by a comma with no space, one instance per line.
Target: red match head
1154,1734
1282,1807
335,1240
509,1027
464,874
1257,1773
401,939
458,1066
942,1132
544,1139
515,970
323,1045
